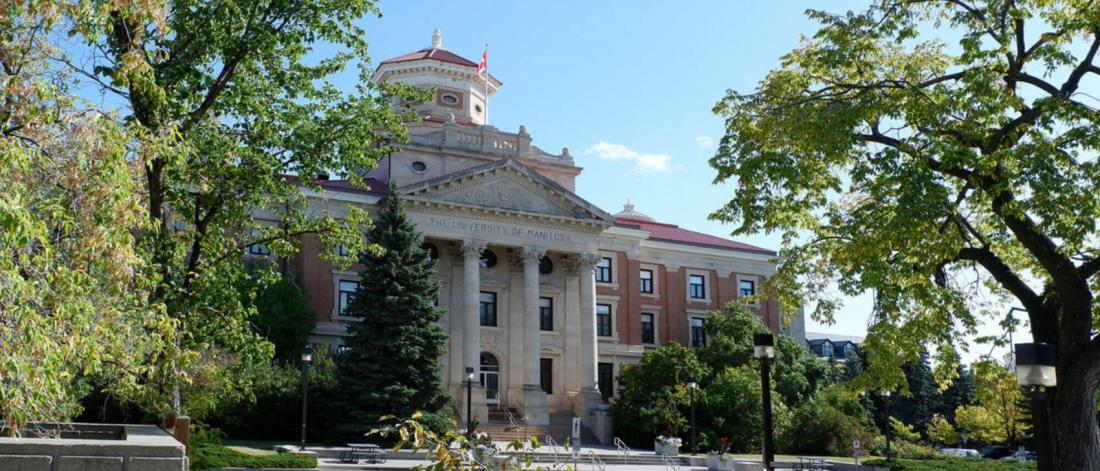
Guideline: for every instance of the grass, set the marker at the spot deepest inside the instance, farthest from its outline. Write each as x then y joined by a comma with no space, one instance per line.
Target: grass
217,456
952,464
794,458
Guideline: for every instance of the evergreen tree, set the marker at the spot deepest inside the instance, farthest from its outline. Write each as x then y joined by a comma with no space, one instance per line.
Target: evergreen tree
392,365
917,409
959,393
284,319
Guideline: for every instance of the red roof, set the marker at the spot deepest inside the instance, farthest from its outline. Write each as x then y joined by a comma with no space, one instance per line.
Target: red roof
374,186
432,53
672,233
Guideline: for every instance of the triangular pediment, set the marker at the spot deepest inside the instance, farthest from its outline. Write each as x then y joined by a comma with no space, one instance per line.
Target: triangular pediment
507,185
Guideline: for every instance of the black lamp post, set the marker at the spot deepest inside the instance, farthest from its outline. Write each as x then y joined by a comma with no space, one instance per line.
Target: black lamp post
692,386
307,357
889,427
469,400
1035,369
764,350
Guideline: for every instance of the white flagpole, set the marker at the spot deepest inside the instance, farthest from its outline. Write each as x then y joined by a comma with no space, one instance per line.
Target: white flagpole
486,78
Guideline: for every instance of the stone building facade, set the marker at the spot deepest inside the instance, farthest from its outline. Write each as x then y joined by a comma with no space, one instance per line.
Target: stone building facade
543,293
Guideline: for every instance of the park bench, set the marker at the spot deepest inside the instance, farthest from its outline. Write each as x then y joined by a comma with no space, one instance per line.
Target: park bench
371,453
812,463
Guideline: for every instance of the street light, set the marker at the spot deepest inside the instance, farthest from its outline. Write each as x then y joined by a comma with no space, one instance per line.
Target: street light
692,386
764,350
886,404
1035,369
469,400
307,357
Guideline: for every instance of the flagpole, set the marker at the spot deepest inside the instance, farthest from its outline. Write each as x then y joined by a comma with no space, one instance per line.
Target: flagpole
486,83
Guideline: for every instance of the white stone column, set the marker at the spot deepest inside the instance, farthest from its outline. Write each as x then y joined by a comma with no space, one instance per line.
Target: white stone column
589,346
471,329
535,406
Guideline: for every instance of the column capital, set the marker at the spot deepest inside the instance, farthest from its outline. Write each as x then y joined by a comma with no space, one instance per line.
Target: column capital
578,263
532,255
471,248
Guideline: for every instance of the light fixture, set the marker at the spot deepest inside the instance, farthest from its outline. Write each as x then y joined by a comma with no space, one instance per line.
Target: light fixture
469,373
307,353
1035,365
763,345
692,384
885,393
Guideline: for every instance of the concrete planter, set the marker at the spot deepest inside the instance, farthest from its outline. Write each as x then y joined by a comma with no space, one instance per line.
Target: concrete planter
100,447
669,446
720,462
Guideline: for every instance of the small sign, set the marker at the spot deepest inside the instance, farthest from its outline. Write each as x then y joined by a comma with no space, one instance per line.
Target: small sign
1021,455
855,444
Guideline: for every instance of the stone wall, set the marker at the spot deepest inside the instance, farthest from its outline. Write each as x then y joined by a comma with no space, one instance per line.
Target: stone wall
92,447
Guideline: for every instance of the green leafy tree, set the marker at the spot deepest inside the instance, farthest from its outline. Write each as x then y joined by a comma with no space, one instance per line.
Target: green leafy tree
941,431
998,393
980,423
903,431
959,393
731,410
283,318
653,398
828,424
72,298
923,398
929,151
225,100
392,363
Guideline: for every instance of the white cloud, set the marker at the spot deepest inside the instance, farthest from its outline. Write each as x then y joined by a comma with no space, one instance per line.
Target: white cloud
704,142
643,163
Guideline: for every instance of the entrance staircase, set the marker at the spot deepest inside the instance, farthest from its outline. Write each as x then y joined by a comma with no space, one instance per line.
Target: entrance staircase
507,424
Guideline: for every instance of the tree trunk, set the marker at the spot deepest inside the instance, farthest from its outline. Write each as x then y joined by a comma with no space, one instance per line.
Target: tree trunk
1073,415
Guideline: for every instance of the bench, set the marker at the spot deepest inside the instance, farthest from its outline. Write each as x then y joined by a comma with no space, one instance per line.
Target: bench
811,463
371,453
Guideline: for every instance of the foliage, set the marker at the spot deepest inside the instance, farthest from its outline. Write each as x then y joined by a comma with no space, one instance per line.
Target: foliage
942,432
449,450
223,101
731,402
980,424
921,396
827,425
218,457
954,464
398,319
283,318
1000,395
946,179
902,449
72,295
653,398
903,431
959,393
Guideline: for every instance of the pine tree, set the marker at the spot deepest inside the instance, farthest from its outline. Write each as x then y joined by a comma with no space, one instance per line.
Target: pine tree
918,408
392,365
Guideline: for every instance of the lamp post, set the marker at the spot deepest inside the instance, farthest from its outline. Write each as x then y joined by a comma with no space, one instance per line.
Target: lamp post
886,404
469,400
1035,369
692,386
307,357
764,350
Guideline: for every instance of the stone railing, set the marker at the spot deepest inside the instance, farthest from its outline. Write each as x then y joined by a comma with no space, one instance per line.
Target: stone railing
72,446
487,140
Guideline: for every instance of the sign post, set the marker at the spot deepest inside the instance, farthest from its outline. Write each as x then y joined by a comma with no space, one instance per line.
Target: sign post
575,441
855,450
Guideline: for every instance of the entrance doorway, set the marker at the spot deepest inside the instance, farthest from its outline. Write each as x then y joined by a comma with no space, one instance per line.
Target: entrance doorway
490,378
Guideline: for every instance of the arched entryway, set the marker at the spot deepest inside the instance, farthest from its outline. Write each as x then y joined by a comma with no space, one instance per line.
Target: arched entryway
490,378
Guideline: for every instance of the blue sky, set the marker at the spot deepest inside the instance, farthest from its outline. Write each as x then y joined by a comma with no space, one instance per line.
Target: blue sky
617,78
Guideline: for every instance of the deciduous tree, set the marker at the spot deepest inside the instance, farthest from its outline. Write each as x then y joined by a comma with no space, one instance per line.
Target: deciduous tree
929,151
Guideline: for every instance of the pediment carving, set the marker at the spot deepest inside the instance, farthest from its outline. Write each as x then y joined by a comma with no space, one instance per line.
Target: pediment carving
504,192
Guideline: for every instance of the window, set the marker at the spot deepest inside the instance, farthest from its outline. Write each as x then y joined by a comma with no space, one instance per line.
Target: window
605,380
603,320
546,266
546,314
488,259
647,328
647,281
259,250
546,375
747,288
342,250
448,99
488,308
697,286
346,295
419,166
698,335
827,349
603,270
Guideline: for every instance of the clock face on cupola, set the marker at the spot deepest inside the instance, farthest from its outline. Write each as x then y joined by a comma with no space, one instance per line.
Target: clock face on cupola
461,88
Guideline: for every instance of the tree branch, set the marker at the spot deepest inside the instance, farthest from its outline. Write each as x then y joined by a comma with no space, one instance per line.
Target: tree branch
1003,274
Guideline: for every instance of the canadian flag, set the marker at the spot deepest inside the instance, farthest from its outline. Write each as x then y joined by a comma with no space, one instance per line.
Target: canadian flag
484,64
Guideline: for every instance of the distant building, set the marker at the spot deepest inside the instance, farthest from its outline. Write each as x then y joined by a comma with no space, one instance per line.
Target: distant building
837,347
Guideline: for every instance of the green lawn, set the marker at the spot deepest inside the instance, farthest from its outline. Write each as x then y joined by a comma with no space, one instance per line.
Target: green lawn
216,456
955,464
794,458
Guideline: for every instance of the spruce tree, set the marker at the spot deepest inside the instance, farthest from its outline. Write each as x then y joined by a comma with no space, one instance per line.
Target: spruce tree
392,365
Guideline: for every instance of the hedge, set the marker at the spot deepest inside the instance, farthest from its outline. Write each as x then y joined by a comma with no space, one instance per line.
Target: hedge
215,456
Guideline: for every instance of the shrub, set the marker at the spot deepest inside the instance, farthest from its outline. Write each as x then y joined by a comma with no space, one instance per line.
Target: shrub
903,449
954,464
828,424
216,456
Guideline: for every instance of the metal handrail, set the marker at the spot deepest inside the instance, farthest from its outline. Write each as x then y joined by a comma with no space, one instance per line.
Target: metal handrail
596,461
671,463
621,447
553,445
